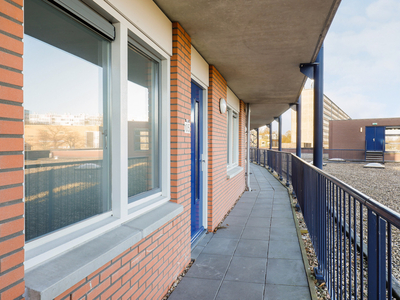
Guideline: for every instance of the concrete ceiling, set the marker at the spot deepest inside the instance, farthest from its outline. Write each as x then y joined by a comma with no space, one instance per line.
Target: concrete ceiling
257,45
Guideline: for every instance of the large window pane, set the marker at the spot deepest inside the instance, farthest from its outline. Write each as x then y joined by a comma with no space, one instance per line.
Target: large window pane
143,139
65,100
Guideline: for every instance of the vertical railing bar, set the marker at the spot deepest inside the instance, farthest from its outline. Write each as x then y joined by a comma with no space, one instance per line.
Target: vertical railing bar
355,246
389,241
329,266
337,241
362,251
350,246
341,243
344,243
332,239
382,257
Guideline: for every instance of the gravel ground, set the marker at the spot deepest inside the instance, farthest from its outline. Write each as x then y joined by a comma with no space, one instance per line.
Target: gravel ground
382,185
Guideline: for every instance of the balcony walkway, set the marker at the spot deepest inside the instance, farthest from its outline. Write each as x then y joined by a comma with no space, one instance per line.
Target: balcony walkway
256,255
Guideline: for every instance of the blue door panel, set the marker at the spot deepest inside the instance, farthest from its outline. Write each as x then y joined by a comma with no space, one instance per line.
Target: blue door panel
379,138
375,138
196,155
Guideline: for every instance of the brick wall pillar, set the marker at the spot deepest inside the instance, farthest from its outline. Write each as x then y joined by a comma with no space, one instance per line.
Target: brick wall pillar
180,111
11,146
217,141
222,192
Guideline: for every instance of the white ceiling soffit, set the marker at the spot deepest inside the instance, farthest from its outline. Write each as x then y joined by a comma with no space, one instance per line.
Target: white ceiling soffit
257,45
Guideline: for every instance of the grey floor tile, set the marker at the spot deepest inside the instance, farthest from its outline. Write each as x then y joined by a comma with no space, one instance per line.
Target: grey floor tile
261,213
229,232
235,221
210,266
252,248
222,246
244,205
195,289
275,292
286,271
196,251
269,201
256,233
282,206
247,200
283,233
247,269
232,290
284,249
262,206
282,222
240,212
206,238
282,213
258,222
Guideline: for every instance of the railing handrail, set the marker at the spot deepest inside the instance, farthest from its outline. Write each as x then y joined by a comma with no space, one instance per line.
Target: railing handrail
385,212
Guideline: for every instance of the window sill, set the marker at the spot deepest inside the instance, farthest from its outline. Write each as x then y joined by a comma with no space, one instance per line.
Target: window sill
53,277
232,172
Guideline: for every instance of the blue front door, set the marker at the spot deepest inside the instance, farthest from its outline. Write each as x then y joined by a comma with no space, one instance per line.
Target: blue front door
196,165
375,138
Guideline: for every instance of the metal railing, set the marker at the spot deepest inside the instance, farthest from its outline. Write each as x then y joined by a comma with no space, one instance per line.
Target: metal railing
355,237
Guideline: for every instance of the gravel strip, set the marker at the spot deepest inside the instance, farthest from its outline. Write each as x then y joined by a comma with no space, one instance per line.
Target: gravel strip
380,184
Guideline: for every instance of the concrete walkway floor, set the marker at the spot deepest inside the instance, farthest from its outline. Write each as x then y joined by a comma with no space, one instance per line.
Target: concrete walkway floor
256,255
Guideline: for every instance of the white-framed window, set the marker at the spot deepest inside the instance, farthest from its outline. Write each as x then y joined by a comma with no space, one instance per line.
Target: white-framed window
70,99
232,138
67,154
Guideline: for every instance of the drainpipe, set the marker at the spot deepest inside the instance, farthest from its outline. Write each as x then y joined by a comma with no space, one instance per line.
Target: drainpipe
318,109
298,131
248,147
280,133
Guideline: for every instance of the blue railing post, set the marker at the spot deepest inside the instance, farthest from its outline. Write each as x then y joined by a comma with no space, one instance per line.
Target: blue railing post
264,158
376,257
298,132
280,133
318,109
287,169
270,136
258,146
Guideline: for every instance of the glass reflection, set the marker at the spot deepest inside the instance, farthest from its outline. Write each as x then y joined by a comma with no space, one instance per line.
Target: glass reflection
143,152
65,101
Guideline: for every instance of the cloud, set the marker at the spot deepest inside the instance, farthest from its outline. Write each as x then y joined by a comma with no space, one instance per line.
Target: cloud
362,60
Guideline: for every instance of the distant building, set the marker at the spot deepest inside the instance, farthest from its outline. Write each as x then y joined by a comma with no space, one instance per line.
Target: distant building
365,139
331,112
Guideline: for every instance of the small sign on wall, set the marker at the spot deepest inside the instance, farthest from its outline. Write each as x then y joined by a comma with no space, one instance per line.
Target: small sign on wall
187,126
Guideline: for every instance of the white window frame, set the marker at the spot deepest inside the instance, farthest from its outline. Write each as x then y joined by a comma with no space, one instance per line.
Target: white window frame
53,244
232,138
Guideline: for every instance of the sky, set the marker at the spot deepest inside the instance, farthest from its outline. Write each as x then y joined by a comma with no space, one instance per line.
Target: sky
362,60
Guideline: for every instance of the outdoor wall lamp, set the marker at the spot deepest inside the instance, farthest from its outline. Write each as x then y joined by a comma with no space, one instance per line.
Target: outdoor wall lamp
222,105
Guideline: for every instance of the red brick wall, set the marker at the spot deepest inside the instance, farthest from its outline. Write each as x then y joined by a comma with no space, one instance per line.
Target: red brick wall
11,146
144,271
148,269
222,192
345,134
